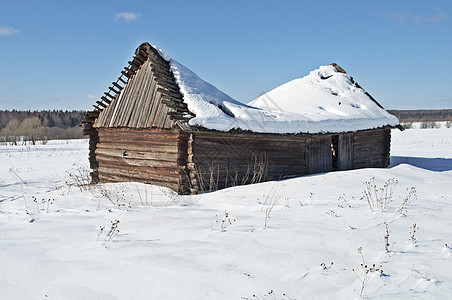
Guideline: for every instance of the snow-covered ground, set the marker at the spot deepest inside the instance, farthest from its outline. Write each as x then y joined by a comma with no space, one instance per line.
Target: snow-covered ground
319,230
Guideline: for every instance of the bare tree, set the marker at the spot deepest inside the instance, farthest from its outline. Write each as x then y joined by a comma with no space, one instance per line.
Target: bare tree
11,132
32,129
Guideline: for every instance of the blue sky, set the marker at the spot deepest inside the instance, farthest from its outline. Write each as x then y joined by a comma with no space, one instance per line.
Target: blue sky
64,54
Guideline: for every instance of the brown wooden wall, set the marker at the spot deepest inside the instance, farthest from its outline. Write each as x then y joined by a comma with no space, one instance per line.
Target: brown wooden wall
147,155
220,160
371,148
189,162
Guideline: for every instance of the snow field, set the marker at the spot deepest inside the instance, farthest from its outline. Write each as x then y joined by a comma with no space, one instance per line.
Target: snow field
171,247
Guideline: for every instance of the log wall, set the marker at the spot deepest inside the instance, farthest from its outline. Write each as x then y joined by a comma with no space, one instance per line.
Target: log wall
191,162
147,155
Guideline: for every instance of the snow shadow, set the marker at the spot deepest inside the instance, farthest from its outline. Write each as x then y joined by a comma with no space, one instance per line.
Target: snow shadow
432,164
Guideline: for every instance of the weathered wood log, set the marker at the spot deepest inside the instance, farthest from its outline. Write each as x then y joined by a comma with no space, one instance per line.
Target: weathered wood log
101,104
117,86
105,99
127,74
134,65
114,90
108,95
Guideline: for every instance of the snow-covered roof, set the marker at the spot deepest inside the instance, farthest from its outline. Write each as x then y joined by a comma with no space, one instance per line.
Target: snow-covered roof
326,100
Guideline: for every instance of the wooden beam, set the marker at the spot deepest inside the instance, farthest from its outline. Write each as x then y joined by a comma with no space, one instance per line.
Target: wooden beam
140,59
101,104
117,85
170,93
113,89
127,74
108,95
105,99
134,64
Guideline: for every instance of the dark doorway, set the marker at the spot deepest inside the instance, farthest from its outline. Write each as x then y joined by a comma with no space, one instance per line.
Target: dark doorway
335,152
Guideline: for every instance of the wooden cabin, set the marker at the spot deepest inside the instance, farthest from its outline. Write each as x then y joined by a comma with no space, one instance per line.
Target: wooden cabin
141,130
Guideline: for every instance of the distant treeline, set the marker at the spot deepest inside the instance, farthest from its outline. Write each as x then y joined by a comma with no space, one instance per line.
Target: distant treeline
31,126
48,118
422,115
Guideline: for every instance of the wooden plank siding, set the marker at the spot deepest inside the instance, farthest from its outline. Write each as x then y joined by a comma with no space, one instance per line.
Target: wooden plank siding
139,104
142,155
219,160
345,148
319,154
371,148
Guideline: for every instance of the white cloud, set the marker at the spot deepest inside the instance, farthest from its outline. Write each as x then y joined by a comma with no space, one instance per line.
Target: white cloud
91,97
126,16
8,31
440,15
405,17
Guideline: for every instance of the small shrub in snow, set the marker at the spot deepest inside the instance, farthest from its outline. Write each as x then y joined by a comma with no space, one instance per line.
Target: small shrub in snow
379,197
111,232
79,177
366,273
411,195
413,229
223,223
270,201
42,205
386,237
147,199
115,197
343,202
325,267
269,295
332,213
311,200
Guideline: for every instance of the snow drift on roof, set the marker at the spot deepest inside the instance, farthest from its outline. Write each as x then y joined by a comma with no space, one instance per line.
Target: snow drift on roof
326,100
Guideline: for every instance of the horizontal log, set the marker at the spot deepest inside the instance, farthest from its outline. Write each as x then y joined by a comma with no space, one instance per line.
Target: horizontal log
144,140
169,93
153,148
145,134
172,104
148,177
158,156
146,166
106,177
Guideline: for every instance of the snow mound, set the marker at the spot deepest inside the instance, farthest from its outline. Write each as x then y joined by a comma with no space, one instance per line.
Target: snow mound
324,101
328,97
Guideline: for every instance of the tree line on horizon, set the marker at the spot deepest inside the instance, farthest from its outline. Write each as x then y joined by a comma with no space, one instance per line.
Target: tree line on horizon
422,115
32,126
